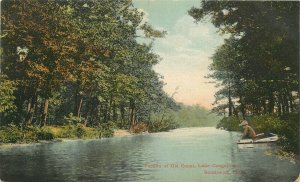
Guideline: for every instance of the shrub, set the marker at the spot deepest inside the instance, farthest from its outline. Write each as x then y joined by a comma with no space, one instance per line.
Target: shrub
266,124
30,134
67,131
230,123
287,127
10,134
139,128
80,130
45,133
92,132
106,129
289,131
163,125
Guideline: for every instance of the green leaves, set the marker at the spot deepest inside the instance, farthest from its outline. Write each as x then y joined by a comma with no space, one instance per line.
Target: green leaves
7,89
83,58
251,63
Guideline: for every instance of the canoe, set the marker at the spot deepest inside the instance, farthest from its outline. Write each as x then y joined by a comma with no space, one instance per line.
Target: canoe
260,138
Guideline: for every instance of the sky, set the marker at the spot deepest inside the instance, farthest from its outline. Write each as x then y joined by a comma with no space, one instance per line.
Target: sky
185,51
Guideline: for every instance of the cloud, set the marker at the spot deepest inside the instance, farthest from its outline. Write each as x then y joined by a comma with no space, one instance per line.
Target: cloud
186,53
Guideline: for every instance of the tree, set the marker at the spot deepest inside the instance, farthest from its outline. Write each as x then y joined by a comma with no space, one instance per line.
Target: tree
260,54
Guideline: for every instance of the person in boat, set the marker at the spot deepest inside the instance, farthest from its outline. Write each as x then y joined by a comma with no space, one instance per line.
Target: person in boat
249,132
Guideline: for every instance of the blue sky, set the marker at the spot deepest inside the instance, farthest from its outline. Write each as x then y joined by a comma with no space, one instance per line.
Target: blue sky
185,51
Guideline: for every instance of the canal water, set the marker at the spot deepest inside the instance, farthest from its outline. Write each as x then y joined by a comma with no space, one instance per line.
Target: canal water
187,154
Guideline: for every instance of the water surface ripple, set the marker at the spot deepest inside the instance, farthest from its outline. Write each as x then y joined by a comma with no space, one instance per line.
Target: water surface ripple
187,154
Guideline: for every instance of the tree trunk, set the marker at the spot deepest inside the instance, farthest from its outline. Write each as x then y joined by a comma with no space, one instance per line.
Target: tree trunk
31,109
77,103
105,115
132,112
45,112
264,105
89,103
229,101
115,115
122,111
109,108
271,103
78,110
291,103
242,106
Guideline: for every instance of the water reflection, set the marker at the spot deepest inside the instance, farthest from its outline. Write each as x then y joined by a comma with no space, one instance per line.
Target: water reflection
193,154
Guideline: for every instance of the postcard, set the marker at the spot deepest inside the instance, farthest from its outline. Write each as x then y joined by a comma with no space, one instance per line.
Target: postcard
149,90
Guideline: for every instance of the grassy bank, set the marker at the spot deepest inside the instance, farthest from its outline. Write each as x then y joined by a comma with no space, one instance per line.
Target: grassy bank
16,134
287,127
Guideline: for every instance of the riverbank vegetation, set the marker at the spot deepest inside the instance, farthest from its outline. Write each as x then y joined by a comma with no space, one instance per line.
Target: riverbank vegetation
257,67
78,66
287,127
14,134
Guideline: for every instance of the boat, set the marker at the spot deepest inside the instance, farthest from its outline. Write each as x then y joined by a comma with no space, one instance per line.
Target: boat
260,138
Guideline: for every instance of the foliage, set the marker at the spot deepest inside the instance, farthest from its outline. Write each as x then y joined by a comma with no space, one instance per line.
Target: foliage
80,62
163,122
7,88
106,129
287,127
230,123
67,131
266,124
139,128
80,131
195,116
257,68
44,133
72,119
10,134
290,133
15,134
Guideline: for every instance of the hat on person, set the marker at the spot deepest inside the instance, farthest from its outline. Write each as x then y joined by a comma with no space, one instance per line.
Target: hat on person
243,123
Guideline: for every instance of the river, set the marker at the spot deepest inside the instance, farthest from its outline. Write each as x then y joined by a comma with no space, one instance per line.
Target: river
187,154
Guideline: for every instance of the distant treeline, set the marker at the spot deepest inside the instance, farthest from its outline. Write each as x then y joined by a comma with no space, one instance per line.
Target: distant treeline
195,116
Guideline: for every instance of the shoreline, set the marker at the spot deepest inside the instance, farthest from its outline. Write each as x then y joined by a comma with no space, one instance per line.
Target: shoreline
117,133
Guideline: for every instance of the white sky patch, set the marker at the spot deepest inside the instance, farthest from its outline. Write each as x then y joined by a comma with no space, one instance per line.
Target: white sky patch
186,53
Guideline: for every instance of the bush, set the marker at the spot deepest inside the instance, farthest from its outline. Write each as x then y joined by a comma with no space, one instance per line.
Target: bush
11,134
287,127
92,133
266,124
139,128
30,134
289,131
106,129
80,130
230,123
163,125
45,133
67,131
14,134
72,131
